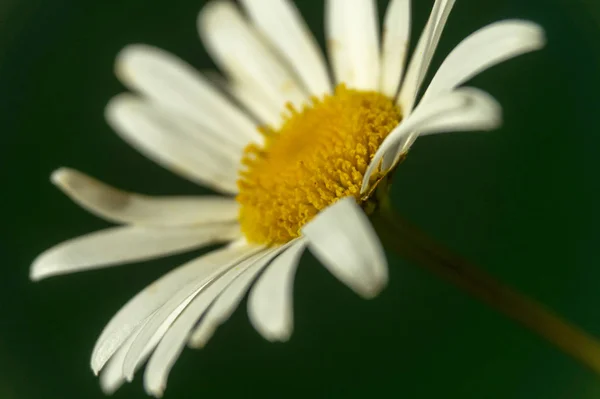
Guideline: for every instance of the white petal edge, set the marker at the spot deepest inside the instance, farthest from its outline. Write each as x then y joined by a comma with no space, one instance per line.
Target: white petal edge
281,23
334,33
170,141
147,301
421,58
112,376
270,302
240,52
164,317
342,238
122,245
173,342
249,99
226,303
483,49
464,109
120,206
353,42
394,48
269,113
172,83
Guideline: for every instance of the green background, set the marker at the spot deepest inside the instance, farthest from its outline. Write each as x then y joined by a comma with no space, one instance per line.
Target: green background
522,202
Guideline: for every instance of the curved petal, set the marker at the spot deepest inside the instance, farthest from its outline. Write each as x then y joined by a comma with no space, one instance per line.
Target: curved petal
170,141
249,98
119,206
225,305
164,317
173,342
395,41
342,238
255,102
270,302
281,23
464,109
353,42
421,58
483,49
167,80
336,49
121,245
112,376
239,51
147,301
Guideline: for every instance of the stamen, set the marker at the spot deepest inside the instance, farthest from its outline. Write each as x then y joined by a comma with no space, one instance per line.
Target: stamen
319,155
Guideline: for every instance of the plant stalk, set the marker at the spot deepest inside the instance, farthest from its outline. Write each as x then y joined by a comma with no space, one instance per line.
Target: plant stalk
406,240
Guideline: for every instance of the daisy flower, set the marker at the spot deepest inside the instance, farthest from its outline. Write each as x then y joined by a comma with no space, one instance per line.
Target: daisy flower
300,152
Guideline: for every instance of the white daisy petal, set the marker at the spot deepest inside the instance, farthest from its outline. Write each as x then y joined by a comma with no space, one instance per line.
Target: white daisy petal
120,206
396,37
250,99
111,379
336,49
342,238
121,245
170,142
270,306
353,42
173,342
200,127
226,303
426,46
269,113
282,24
239,51
112,376
146,302
172,83
463,109
141,343
483,49
482,112
162,319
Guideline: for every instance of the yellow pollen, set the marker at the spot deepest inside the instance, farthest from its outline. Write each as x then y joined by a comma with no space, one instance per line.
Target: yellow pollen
318,156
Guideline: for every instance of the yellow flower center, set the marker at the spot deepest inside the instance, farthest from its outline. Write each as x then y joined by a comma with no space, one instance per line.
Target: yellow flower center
318,156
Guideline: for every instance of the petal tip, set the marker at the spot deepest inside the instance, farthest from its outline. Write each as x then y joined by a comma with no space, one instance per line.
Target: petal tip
155,389
282,335
200,338
119,107
538,34
196,344
372,290
210,14
273,332
96,366
60,176
35,274
127,58
39,269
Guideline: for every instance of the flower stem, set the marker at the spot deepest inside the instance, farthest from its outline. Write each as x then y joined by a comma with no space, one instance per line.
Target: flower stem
406,240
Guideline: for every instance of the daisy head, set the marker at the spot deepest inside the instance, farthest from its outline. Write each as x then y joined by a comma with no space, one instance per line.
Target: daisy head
299,150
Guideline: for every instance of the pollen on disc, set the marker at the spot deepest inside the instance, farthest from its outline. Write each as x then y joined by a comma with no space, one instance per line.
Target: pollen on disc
319,155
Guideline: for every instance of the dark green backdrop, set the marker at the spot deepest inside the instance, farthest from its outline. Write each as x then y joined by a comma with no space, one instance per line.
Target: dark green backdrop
522,202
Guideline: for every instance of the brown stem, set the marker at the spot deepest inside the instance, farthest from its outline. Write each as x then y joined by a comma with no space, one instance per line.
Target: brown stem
401,237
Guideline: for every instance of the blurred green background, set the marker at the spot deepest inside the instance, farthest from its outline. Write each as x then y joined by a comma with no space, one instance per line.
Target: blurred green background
522,202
